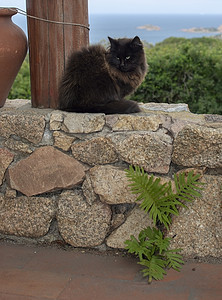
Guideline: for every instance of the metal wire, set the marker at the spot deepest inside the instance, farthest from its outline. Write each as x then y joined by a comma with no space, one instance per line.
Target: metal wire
22,12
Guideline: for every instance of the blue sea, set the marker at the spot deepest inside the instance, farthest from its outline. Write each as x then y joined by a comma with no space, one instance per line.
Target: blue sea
117,26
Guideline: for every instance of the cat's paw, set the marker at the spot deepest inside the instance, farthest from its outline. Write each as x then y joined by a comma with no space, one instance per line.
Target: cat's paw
133,107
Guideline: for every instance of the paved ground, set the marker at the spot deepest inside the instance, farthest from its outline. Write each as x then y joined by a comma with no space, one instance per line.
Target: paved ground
38,273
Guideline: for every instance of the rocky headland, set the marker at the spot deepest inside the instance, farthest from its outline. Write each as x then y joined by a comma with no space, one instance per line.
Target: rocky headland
149,27
204,29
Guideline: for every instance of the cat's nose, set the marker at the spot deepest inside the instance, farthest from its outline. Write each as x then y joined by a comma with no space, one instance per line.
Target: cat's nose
121,64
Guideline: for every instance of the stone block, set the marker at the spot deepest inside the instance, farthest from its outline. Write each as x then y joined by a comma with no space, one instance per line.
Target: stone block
198,146
6,157
83,123
18,146
135,222
111,184
149,150
96,151
164,107
26,217
26,125
45,170
88,190
56,119
198,229
81,224
62,140
133,122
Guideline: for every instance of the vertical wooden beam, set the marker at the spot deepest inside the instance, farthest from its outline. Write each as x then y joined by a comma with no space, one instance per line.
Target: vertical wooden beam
55,50
38,33
50,44
80,36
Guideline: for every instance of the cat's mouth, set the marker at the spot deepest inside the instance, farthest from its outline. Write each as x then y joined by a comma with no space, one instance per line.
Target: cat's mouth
123,68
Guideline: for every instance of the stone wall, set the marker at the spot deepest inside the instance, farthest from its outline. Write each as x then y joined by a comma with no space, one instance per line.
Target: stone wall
62,174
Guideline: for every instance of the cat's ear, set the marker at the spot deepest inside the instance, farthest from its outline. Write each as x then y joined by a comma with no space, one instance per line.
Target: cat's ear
136,42
113,42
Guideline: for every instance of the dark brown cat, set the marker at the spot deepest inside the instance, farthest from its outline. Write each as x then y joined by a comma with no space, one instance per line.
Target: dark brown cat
96,80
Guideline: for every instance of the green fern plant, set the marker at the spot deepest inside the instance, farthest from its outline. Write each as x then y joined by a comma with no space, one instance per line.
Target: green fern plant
160,201
154,254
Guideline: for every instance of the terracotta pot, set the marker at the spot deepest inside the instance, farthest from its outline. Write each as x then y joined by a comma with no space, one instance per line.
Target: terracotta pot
13,49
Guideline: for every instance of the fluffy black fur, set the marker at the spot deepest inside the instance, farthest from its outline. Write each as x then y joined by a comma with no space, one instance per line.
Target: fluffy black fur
96,80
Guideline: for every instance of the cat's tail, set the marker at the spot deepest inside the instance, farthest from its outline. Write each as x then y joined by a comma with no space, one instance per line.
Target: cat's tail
121,107
112,107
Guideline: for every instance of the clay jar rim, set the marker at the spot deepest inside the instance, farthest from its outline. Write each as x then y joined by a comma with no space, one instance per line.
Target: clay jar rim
8,11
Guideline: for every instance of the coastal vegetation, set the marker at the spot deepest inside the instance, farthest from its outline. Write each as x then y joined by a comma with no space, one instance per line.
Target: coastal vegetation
184,71
21,86
180,71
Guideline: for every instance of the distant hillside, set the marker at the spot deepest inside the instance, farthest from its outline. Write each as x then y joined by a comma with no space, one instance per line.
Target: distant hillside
204,29
149,27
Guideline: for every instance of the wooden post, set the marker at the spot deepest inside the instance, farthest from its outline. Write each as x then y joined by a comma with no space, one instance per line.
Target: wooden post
50,44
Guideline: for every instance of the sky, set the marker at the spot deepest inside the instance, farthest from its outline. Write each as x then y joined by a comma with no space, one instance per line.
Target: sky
142,6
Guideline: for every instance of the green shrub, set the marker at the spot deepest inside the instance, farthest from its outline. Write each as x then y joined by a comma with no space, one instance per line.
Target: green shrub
184,71
21,86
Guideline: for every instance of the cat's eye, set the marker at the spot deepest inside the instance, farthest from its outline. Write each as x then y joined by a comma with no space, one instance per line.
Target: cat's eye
128,57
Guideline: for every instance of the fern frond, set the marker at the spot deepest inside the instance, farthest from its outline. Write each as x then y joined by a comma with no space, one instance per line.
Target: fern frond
140,248
173,259
151,194
154,268
187,188
162,243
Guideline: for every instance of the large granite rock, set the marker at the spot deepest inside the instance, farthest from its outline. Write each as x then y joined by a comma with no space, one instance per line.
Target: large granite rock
6,157
81,224
133,122
45,170
27,125
62,140
20,146
135,222
198,230
164,107
83,123
88,191
149,150
198,146
96,151
56,119
111,184
177,121
27,217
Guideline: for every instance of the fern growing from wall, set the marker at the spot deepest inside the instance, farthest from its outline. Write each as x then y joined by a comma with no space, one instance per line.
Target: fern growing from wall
160,201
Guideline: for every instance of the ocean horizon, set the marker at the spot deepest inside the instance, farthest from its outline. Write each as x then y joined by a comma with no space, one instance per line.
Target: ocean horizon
169,25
